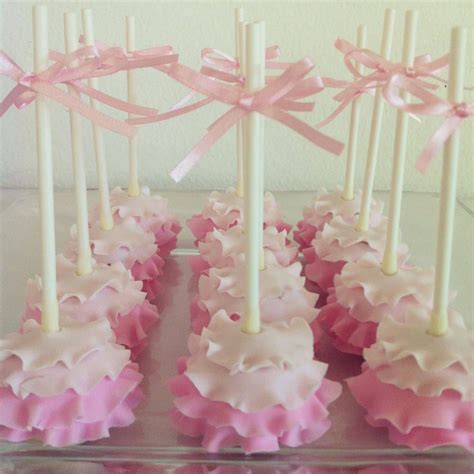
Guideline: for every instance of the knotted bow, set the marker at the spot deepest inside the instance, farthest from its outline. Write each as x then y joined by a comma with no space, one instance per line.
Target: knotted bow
383,72
92,62
274,101
455,114
222,66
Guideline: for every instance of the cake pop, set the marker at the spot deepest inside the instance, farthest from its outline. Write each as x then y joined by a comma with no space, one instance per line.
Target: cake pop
150,211
61,381
281,296
342,202
341,241
417,378
222,249
225,209
212,396
65,387
110,292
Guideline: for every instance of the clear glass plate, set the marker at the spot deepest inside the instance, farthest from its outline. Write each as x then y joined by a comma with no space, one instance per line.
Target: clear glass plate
152,445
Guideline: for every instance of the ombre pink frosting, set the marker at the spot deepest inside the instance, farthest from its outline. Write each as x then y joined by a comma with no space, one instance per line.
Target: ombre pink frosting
324,207
150,211
338,243
363,296
289,399
128,243
419,386
226,248
65,387
225,209
108,292
282,295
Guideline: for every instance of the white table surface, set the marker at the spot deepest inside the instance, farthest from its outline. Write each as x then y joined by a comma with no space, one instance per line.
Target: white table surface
19,237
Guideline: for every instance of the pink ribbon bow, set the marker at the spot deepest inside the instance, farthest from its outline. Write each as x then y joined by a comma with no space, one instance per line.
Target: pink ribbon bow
274,101
91,63
455,114
220,65
383,72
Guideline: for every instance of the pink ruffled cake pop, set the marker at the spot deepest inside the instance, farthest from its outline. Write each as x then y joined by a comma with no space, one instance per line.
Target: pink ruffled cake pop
417,379
327,205
108,292
221,249
343,201
339,243
238,389
419,386
225,209
128,243
363,295
282,295
65,387
151,213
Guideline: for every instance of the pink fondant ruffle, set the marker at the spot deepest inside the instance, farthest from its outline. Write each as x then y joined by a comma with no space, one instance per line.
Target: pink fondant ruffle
198,264
148,272
131,329
347,334
304,234
223,426
320,272
166,234
200,226
326,206
70,418
416,421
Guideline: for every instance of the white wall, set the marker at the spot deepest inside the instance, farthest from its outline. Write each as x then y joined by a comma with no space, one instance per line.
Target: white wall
300,28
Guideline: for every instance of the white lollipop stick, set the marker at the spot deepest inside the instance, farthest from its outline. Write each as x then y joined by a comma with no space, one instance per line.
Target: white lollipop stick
105,219
253,189
439,317
348,191
262,144
239,188
49,303
376,126
84,257
390,261
133,186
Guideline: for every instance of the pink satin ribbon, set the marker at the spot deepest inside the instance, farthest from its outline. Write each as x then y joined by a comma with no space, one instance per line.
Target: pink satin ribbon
92,62
455,114
220,65
279,97
383,74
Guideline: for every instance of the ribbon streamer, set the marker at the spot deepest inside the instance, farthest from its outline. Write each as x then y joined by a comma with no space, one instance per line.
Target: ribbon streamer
274,101
432,105
383,74
93,62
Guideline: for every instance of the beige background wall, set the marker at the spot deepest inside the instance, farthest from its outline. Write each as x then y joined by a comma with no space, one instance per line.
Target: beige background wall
300,28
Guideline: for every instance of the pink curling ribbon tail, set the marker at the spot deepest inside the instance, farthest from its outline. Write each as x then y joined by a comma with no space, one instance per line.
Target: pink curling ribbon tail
274,101
455,114
91,62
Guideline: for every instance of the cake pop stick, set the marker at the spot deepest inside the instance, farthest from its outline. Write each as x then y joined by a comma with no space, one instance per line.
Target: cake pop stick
239,44
133,186
84,257
105,216
253,154
50,314
348,191
376,126
390,258
439,316
261,178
